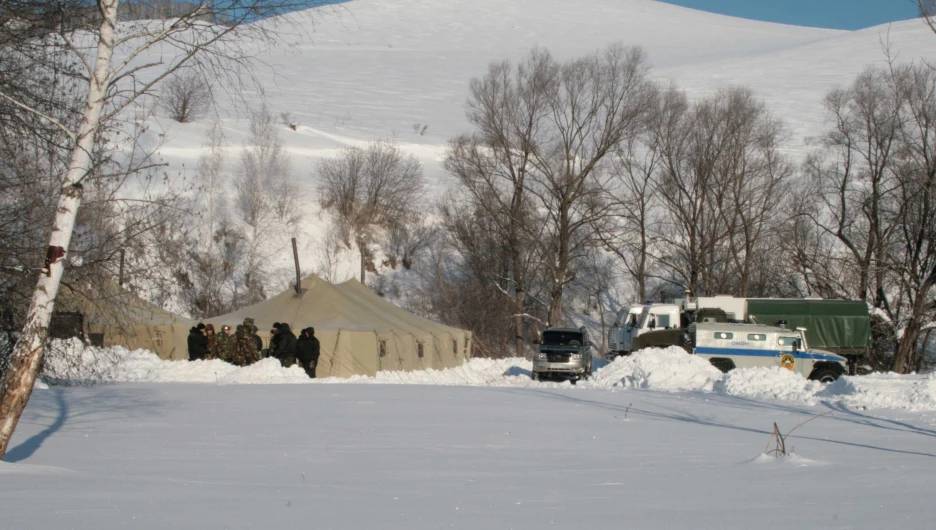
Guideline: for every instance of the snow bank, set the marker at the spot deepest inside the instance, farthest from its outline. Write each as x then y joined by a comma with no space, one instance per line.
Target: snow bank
663,370
668,369
144,366
891,391
768,383
71,361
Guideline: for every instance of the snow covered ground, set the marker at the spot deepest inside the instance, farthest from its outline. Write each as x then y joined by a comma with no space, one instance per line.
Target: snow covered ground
657,440
665,370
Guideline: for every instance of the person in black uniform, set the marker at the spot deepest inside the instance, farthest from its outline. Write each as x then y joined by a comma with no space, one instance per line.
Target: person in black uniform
197,343
308,348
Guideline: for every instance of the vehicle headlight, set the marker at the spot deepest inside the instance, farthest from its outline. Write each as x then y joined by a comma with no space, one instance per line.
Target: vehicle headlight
540,356
576,357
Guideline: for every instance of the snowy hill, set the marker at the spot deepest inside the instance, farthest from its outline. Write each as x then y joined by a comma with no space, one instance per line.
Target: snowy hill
374,69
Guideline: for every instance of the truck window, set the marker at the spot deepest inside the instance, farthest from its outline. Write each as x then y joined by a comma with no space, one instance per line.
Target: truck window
724,335
756,336
663,321
644,317
786,341
562,338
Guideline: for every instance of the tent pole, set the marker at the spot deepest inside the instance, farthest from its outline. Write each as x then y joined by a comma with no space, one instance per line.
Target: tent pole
298,275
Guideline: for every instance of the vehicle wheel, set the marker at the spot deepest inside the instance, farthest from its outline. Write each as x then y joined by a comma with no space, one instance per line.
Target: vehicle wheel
534,376
685,342
825,375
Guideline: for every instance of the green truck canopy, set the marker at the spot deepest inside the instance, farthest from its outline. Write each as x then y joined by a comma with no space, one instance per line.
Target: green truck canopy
840,325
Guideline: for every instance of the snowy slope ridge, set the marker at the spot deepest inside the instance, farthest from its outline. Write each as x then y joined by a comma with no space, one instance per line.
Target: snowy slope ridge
400,69
661,370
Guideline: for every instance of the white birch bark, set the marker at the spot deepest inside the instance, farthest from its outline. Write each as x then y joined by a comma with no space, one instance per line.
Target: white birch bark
17,386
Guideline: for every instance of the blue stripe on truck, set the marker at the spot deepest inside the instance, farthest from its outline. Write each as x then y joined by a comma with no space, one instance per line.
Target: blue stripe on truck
765,353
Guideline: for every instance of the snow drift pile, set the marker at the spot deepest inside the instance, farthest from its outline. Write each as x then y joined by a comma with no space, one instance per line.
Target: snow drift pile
662,370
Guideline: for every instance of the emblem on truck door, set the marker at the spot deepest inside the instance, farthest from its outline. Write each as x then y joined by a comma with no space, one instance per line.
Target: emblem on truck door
787,361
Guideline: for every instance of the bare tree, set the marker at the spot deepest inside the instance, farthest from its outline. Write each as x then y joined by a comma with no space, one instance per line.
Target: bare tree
757,177
927,11
186,96
721,182
473,268
212,181
206,272
506,107
594,104
111,86
329,250
596,280
914,263
407,239
545,129
876,178
267,198
856,178
369,189
633,198
687,139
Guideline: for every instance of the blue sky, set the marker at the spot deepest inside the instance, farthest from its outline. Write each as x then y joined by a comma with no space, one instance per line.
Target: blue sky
838,14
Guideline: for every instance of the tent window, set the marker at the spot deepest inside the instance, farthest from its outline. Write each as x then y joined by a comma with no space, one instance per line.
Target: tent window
96,339
454,346
419,349
383,348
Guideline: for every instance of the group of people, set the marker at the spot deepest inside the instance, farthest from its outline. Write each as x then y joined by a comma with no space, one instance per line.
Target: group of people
245,347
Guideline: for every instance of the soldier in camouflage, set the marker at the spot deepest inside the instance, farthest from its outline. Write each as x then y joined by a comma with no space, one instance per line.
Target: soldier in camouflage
252,354
242,347
258,342
224,343
214,346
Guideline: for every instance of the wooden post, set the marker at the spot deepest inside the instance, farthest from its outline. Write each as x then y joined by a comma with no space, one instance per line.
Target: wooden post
298,275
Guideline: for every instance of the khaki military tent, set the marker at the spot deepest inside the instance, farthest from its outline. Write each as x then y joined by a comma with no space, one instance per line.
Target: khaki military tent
360,333
116,317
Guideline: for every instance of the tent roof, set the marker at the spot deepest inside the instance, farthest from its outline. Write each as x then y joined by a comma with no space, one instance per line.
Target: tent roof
112,305
350,306
362,294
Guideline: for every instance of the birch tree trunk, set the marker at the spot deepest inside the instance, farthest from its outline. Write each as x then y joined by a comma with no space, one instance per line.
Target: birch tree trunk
17,385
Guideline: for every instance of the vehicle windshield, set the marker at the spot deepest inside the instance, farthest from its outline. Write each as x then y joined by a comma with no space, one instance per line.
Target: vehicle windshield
562,338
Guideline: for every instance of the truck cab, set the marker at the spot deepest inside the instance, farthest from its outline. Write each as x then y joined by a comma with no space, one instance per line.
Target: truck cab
728,346
619,336
563,352
632,321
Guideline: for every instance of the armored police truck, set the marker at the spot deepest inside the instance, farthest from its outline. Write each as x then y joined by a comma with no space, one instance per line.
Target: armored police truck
729,346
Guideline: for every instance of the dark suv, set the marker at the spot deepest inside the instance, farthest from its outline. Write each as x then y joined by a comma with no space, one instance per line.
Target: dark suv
563,351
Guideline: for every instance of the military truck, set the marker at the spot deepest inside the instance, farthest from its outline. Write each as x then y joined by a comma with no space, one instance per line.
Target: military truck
563,352
635,320
728,346
841,326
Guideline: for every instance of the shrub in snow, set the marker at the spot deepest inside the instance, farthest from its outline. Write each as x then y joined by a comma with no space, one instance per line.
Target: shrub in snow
185,96
72,362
